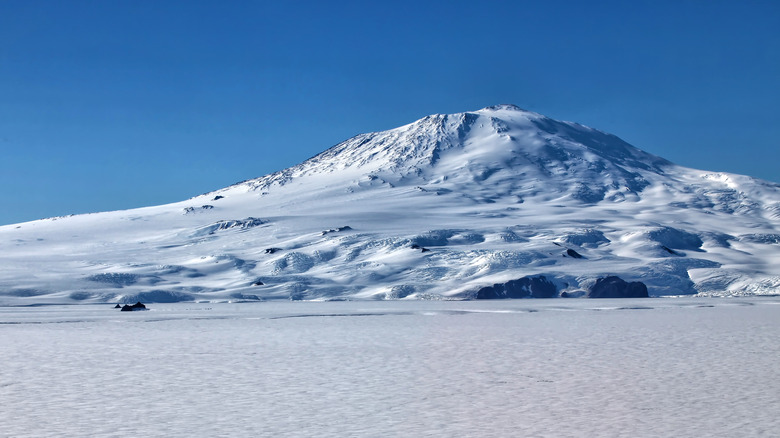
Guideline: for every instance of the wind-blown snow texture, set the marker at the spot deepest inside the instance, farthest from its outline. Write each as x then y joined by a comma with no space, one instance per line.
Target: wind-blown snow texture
440,208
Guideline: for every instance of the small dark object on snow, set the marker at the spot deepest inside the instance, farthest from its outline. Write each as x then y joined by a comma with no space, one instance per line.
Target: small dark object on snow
258,283
573,253
272,250
136,306
218,197
117,306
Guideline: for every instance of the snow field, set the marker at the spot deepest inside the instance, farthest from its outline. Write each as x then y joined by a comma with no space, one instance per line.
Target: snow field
653,367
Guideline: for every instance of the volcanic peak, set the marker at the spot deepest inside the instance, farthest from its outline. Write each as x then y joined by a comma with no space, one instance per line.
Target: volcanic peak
519,150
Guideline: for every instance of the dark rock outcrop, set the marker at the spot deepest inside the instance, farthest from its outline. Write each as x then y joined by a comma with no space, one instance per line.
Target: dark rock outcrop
188,210
616,287
336,230
422,249
573,294
573,253
136,306
526,287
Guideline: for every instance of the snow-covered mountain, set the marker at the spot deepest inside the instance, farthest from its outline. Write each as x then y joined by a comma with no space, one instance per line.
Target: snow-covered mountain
485,204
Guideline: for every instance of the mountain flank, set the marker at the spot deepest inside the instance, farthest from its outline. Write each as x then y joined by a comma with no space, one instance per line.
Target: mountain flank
494,203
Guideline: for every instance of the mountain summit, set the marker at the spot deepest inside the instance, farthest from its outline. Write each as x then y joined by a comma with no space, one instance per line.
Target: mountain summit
504,146
499,202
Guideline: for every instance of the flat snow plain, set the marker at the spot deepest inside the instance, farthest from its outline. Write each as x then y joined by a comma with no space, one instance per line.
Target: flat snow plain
679,367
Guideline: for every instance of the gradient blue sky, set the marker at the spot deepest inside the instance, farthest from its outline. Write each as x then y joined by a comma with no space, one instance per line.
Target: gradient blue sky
117,104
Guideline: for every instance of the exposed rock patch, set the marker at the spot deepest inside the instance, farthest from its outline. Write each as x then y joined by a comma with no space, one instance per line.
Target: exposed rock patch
241,224
336,230
526,287
616,287
134,307
188,210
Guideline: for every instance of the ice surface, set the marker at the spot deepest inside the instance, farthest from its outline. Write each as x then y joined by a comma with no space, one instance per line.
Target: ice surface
687,367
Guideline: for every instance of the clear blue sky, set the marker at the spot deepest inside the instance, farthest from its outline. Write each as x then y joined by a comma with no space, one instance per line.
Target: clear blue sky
117,104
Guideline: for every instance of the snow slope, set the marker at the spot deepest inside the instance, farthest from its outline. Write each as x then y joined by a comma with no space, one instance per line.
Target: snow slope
440,208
